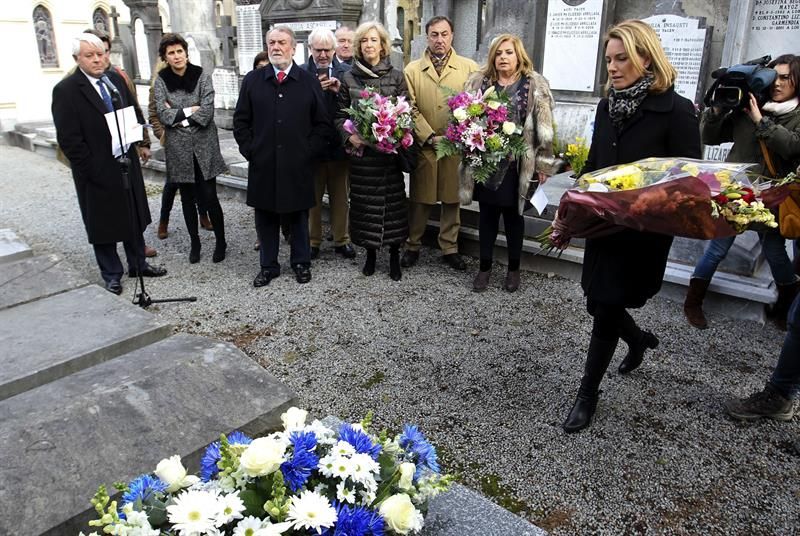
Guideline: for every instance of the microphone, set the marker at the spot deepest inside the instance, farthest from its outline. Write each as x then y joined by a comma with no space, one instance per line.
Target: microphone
116,98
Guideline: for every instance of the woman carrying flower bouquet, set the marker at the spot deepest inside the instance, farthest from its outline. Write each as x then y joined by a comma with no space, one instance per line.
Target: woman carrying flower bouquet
509,69
777,125
378,205
641,117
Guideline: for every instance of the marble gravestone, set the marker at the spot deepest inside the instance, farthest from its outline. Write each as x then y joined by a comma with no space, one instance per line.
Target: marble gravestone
684,43
572,39
250,40
774,28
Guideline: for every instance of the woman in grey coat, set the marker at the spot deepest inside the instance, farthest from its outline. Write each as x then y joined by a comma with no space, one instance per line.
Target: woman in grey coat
184,97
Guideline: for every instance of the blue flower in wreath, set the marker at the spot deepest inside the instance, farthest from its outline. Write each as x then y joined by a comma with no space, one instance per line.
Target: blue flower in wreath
298,469
142,488
361,442
208,464
421,451
355,521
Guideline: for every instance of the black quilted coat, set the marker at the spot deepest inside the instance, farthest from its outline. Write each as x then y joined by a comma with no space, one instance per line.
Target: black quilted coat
378,205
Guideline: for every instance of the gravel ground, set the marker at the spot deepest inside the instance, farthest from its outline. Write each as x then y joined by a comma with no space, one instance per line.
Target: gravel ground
489,377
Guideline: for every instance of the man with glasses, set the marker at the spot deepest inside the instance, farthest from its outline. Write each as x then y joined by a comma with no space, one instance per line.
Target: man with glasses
332,171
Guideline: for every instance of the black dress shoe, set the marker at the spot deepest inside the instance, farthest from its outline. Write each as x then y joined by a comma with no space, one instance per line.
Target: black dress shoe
115,287
409,259
314,252
455,261
302,273
347,251
149,271
263,278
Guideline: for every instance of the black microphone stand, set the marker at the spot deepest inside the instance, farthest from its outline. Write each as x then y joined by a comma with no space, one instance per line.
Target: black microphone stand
142,299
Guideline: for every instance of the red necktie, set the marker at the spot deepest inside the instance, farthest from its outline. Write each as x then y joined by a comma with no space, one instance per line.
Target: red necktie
281,77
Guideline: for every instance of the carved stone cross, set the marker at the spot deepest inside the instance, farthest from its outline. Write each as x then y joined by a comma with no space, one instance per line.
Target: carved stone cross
227,34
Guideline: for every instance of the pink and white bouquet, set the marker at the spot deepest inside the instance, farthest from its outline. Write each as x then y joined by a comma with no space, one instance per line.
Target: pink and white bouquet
385,123
482,132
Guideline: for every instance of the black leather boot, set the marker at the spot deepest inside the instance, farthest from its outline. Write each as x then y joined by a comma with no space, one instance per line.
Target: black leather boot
218,222
636,352
597,359
369,265
194,252
580,416
394,263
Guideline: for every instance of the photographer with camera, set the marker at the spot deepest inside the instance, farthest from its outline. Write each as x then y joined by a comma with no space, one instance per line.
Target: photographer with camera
768,134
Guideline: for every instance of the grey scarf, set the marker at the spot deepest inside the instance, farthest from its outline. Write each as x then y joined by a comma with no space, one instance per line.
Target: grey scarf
623,103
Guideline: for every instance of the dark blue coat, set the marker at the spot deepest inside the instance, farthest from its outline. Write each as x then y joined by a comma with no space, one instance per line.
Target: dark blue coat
627,268
335,149
281,130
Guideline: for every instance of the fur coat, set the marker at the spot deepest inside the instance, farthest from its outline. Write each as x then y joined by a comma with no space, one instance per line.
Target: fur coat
538,135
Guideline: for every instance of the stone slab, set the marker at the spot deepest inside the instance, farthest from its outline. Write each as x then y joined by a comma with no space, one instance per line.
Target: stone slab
50,338
462,511
12,247
34,278
116,420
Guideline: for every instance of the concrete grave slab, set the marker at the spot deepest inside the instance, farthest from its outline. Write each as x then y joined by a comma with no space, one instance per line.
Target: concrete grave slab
50,338
462,511
12,247
116,420
34,278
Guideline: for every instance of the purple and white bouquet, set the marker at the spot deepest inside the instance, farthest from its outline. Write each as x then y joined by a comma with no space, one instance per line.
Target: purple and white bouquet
306,479
481,131
385,123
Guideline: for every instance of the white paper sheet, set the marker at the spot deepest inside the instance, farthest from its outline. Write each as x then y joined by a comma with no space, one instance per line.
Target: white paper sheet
129,127
539,200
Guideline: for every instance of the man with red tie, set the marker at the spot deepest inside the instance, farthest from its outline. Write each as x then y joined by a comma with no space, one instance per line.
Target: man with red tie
80,102
282,126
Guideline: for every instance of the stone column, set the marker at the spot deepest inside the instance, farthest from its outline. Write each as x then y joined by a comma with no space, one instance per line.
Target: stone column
147,12
196,19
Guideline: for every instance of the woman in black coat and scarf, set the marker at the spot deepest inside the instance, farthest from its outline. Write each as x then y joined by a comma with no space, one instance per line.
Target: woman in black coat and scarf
642,117
378,204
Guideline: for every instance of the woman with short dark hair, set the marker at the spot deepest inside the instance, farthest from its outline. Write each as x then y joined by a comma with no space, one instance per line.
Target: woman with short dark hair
184,98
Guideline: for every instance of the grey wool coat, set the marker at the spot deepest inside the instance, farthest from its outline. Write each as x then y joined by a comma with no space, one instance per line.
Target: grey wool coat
199,140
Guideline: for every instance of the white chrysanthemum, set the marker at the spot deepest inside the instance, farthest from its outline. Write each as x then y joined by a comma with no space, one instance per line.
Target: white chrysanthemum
231,507
324,435
343,448
345,494
273,529
363,467
194,512
342,468
249,526
311,511
325,465
367,497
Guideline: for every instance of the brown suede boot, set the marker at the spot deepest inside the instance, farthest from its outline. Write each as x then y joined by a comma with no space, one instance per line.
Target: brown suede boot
693,306
162,229
205,223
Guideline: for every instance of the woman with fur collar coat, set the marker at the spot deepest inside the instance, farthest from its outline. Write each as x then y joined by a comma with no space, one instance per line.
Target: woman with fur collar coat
184,100
508,68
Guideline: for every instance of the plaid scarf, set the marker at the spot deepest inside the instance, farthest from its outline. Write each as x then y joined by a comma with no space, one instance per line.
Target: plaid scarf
623,103
439,63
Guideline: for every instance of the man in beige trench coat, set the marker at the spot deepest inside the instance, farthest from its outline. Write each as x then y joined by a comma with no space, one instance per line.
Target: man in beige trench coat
435,181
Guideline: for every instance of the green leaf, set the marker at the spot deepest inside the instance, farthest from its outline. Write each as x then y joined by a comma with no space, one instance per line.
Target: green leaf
253,502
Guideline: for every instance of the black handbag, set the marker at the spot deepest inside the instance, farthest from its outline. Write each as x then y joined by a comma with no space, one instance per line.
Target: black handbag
407,158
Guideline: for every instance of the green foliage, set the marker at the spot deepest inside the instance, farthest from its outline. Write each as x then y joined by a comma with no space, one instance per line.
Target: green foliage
576,154
446,148
366,422
106,509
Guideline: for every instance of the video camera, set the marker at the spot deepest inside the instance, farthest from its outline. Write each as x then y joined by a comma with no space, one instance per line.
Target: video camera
732,84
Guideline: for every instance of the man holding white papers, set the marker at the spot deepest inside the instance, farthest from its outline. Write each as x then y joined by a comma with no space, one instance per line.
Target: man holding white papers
80,104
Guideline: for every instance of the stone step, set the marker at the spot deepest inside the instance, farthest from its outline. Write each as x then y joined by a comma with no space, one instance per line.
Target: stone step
117,419
50,338
36,277
12,247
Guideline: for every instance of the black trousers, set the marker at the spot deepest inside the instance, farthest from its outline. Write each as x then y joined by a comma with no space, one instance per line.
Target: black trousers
489,226
268,225
109,262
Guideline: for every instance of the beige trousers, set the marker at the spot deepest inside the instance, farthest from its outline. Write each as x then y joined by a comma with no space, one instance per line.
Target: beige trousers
449,225
333,176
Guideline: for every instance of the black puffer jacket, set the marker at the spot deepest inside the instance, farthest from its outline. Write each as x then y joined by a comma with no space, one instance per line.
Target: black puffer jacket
378,205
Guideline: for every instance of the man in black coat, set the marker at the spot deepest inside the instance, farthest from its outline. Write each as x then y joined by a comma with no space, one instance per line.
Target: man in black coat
331,173
80,102
281,125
